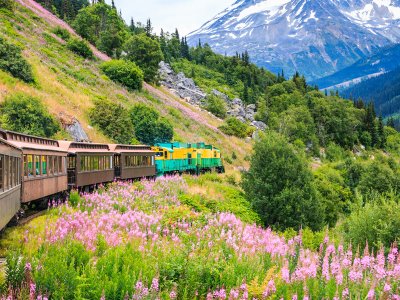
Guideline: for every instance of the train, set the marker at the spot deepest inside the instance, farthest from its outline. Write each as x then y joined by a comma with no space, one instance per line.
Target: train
34,169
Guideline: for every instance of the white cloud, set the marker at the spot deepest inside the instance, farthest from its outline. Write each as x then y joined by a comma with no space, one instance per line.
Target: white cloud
186,15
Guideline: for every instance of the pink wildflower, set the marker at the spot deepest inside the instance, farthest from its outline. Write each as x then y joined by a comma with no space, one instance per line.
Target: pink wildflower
371,294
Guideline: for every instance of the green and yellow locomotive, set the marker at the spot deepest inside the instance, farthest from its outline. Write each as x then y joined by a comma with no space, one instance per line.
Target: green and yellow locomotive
193,158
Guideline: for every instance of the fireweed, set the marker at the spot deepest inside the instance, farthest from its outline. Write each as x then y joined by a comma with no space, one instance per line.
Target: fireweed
137,241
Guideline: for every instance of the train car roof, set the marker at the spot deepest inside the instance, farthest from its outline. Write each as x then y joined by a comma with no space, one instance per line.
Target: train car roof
25,141
119,148
78,147
3,141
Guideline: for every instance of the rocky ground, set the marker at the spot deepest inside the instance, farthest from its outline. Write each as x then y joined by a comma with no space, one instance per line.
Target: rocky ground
186,88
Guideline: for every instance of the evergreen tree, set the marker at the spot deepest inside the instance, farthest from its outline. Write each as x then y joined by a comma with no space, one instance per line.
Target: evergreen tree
132,26
381,133
148,28
113,4
390,123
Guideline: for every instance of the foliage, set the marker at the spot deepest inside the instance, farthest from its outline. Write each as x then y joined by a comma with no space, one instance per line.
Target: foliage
66,9
146,53
149,127
101,25
80,47
62,33
26,114
280,186
124,72
233,126
216,106
113,120
13,62
336,197
377,223
7,4
139,241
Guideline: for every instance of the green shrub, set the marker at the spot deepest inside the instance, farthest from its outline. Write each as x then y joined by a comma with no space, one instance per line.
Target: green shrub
62,33
233,126
28,115
124,72
216,106
80,47
334,152
113,120
149,127
7,4
378,223
15,270
280,186
13,62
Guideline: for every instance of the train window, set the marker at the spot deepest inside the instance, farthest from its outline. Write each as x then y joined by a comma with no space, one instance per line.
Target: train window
44,165
61,163
56,166
37,165
5,172
165,154
159,154
1,172
29,159
71,162
83,163
12,172
51,165
152,160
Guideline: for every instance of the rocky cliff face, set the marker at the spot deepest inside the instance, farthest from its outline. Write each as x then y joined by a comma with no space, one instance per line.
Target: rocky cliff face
186,89
315,37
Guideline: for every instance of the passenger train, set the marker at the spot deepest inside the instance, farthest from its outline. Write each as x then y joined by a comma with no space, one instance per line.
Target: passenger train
34,168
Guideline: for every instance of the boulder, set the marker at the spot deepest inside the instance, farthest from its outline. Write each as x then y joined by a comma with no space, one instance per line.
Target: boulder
221,95
237,101
259,125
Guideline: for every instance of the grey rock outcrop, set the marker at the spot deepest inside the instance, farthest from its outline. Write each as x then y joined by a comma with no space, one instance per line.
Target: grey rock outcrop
180,85
187,89
74,128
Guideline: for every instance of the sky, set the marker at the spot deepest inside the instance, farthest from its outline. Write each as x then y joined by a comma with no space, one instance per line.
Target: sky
186,15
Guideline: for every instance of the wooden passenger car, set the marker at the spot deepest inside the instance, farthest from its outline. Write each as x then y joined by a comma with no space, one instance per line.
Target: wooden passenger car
43,165
131,161
10,181
88,164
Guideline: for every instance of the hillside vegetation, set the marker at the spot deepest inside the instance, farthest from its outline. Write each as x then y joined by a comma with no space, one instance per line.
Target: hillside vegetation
67,83
314,214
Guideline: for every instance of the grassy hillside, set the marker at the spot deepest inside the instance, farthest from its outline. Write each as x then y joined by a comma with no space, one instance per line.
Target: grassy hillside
67,83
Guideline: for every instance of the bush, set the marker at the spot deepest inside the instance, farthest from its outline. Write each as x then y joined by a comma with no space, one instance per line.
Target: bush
216,106
13,62
62,33
28,115
124,72
280,186
149,127
334,152
378,223
113,120
80,47
7,4
235,127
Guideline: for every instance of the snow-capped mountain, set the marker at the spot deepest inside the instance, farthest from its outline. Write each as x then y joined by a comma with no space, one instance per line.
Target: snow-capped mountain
315,37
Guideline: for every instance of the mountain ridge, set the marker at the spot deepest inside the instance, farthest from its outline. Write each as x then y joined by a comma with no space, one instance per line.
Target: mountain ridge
316,38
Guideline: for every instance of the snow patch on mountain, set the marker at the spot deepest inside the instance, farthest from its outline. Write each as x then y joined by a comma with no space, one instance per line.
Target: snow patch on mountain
315,37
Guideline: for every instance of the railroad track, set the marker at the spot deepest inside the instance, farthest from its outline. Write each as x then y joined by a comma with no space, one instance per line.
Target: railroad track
30,217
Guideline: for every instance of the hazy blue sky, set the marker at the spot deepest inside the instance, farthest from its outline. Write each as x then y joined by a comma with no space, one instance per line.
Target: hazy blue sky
187,15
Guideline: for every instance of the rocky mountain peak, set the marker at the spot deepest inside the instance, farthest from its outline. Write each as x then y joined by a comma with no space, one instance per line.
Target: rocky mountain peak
315,37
